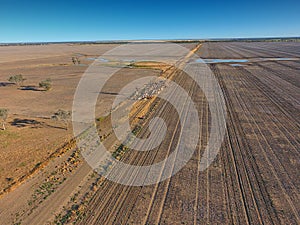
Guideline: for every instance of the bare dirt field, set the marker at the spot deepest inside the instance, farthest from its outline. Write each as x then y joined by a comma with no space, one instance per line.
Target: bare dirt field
253,180
31,137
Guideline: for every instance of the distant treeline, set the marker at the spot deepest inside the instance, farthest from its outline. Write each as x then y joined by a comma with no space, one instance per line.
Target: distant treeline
274,39
99,42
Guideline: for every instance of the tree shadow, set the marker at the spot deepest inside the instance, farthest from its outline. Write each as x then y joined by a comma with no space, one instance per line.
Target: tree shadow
33,124
5,84
108,93
56,127
25,123
30,88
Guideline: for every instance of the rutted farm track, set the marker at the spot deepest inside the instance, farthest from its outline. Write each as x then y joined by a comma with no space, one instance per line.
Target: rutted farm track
254,179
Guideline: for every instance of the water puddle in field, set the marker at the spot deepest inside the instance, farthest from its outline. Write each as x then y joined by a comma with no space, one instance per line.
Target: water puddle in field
236,65
279,59
232,62
207,61
236,62
109,60
119,63
79,54
97,59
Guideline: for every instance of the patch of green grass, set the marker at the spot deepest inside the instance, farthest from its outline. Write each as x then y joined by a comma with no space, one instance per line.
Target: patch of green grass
102,118
6,137
4,144
136,130
37,165
22,164
9,134
64,219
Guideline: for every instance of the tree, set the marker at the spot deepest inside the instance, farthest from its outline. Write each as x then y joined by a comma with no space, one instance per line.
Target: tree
46,84
75,60
62,115
3,117
17,79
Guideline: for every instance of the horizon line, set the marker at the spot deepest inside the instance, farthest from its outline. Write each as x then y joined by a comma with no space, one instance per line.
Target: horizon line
149,40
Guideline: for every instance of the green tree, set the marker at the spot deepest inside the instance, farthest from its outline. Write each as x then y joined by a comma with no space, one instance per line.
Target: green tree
17,79
46,84
75,60
3,117
64,116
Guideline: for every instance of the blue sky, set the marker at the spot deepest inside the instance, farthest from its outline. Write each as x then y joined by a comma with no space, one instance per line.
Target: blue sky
30,21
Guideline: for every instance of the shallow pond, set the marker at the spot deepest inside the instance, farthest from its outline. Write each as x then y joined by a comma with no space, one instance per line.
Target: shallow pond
236,65
237,61
222,60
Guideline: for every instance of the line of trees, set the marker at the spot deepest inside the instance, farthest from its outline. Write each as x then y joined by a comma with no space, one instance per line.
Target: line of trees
19,80
60,115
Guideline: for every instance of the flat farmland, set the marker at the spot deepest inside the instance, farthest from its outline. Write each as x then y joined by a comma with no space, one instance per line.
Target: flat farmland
232,50
253,180
31,137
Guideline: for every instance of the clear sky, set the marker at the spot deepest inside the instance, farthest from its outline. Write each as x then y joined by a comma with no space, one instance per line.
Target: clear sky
64,20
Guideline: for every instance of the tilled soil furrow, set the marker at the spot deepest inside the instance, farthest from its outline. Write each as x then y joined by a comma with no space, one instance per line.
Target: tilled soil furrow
146,159
198,155
246,110
244,162
174,189
112,191
280,171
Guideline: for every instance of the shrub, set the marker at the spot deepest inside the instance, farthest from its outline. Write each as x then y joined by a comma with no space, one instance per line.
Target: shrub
62,115
46,84
17,79
75,60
